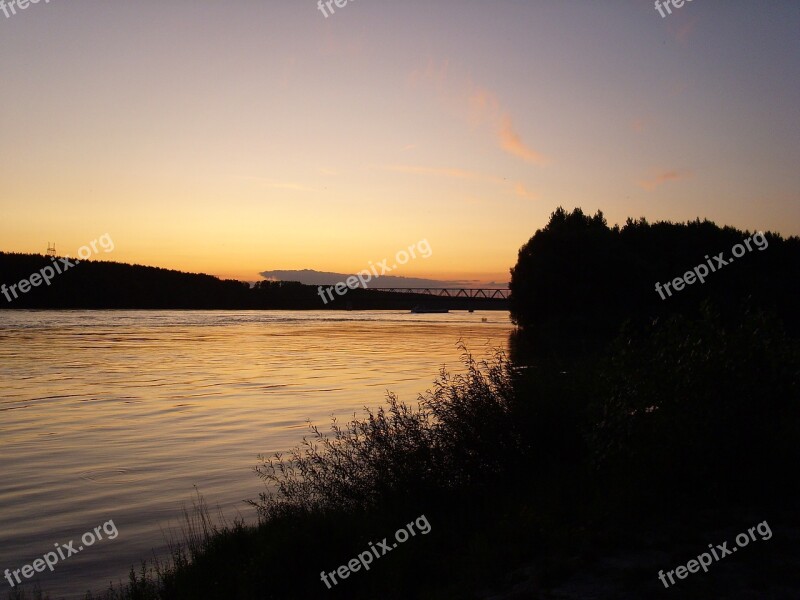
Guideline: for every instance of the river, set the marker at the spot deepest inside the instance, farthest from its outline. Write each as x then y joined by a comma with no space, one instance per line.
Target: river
121,415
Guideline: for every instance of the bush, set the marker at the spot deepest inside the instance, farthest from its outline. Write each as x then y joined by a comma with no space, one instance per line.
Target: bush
697,406
460,435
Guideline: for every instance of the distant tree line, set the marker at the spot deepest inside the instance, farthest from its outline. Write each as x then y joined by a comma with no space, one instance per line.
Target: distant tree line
112,285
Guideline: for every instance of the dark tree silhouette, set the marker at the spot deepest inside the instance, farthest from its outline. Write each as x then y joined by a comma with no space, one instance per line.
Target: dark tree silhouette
577,279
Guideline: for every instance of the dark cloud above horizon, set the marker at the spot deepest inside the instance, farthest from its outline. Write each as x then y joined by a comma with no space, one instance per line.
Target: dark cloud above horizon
312,277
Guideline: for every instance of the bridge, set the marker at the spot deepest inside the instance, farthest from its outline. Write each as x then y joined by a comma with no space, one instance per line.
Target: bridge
489,293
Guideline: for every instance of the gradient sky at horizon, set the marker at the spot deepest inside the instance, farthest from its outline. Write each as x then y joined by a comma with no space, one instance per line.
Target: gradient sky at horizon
233,138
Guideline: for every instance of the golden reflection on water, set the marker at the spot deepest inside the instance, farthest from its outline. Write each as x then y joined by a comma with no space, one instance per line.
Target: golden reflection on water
119,414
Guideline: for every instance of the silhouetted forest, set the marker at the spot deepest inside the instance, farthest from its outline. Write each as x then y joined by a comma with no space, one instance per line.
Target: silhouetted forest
111,285
577,280
682,397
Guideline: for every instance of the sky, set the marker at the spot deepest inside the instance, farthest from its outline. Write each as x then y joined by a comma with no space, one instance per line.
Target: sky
242,137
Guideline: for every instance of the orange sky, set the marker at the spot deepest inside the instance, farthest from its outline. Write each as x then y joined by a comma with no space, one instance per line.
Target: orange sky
234,139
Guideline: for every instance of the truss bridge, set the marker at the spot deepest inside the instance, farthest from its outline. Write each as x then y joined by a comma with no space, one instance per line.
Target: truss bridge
489,293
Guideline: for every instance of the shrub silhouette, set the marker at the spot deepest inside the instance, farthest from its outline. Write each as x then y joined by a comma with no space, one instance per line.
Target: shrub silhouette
700,408
458,436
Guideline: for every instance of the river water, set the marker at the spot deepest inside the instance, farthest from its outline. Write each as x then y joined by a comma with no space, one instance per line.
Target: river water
121,415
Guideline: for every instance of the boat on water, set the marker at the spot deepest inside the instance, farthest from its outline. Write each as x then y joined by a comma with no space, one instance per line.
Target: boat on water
423,309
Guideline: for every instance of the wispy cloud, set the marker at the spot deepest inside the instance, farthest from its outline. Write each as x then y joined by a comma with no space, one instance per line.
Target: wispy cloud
512,143
661,178
480,108
522,191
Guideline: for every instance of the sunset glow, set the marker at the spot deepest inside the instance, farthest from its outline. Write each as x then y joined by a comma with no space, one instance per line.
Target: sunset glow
234,139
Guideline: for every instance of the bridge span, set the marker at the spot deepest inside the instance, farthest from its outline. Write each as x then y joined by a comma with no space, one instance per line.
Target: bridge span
489,293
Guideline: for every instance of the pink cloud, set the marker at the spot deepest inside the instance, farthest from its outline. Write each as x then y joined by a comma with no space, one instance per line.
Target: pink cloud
661,178
523,192
512,143
479,107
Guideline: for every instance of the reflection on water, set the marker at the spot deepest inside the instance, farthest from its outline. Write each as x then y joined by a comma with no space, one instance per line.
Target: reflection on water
119,414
